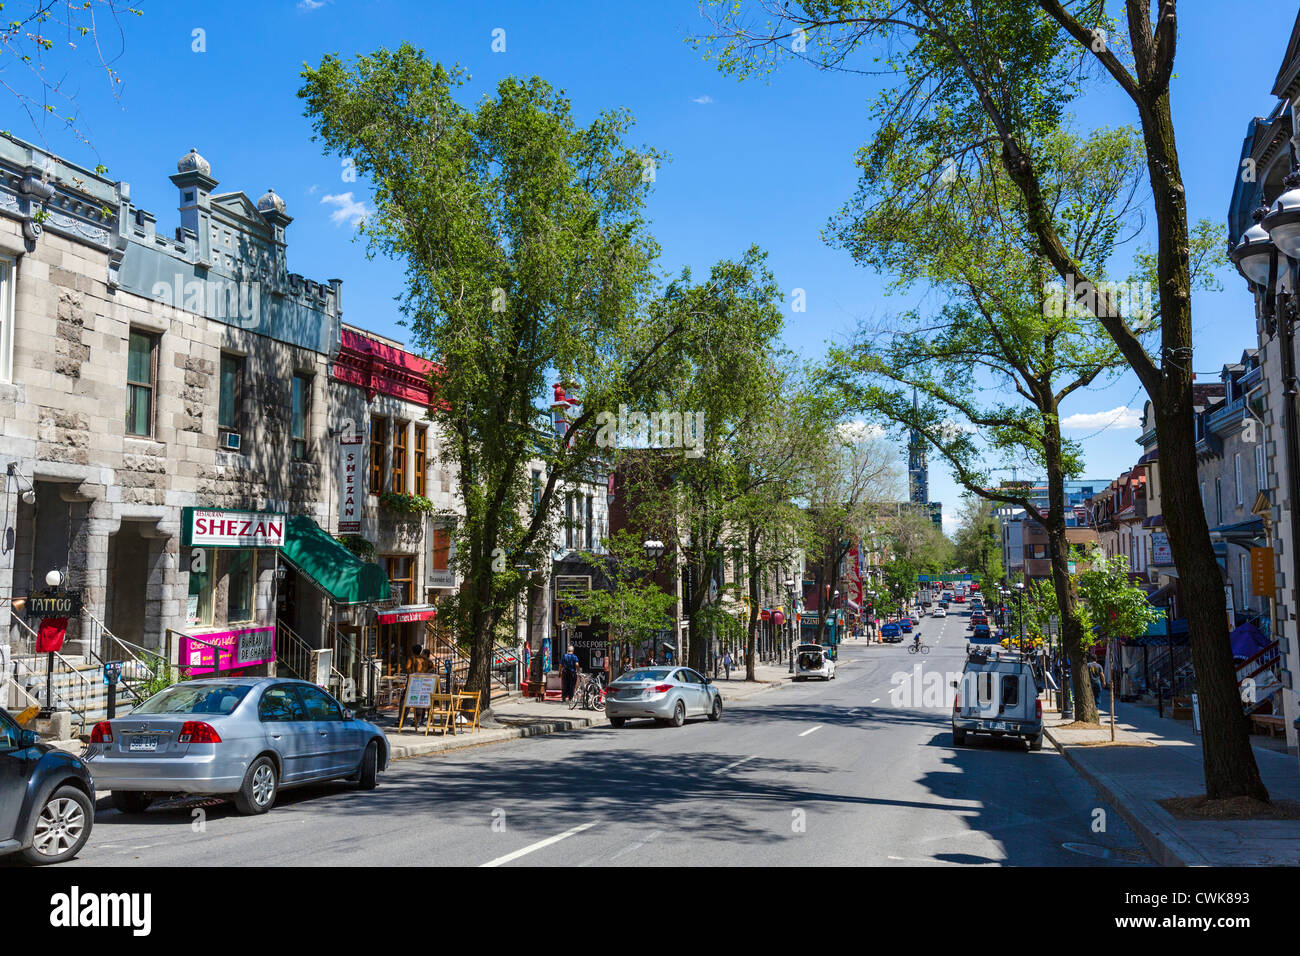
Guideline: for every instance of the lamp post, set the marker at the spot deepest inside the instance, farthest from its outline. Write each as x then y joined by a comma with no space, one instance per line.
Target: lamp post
526,571
654,550
789,590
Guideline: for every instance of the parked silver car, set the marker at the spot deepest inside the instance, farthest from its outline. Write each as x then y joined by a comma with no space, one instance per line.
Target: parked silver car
245,738
667,694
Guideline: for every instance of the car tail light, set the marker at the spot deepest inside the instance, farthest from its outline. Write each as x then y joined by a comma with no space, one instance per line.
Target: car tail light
956,703
198,732
102,734
661,689
1038,709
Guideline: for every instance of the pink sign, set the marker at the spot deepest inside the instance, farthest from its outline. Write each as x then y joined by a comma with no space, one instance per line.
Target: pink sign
234,649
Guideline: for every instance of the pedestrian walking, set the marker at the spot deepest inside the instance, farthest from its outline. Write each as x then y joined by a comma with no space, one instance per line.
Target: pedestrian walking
726,664
1095,674
568,674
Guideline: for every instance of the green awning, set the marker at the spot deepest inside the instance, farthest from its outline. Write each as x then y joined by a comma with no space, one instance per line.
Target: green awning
339,573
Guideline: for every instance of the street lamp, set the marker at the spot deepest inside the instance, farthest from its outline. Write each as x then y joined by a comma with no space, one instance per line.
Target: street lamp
654,550
789,590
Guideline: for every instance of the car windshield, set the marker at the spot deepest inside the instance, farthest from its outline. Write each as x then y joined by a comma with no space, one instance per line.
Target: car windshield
194,699
656,673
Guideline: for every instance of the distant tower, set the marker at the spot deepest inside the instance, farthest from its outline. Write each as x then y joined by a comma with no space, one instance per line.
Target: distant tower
917,474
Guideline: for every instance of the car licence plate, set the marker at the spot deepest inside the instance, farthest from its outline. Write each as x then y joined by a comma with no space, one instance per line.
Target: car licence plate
144,744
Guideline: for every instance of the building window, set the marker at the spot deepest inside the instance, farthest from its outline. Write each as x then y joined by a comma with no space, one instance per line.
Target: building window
1260,479
378,445
568,521
238,567
1236,474
1243,567
301,414
1218,499
222,589
141,381
230,401
6,320
399,457
441,549
401,575
421,457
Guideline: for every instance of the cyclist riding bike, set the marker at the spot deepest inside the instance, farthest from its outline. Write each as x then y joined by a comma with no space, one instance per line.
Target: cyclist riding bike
916,638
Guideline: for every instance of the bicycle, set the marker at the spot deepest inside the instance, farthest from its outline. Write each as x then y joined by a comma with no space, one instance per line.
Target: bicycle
590,692
923,648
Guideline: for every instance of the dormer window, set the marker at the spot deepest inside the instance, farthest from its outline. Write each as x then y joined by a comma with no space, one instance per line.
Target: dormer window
189,195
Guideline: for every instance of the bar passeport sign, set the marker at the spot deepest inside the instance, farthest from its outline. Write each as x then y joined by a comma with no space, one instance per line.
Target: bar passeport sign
219,528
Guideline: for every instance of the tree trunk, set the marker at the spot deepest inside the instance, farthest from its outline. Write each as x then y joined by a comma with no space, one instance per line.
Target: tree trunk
1229,761
754,597
1058,544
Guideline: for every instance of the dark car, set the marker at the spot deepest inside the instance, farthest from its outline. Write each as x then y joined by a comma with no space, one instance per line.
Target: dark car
906,625
890,633
47,802
981,633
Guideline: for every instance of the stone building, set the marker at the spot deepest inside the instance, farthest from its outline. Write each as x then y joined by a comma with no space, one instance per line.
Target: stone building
144,375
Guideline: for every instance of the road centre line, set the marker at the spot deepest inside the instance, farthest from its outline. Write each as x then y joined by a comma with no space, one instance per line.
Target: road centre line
540,844
731,766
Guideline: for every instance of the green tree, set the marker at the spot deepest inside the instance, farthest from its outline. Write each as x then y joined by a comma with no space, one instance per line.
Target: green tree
1003,73
527,256
978,543
634,608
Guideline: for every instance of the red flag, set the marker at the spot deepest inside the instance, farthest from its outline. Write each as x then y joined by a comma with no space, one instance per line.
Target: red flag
51,634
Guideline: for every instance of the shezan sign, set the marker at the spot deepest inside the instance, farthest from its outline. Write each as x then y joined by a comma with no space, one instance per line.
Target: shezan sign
236,529
349,484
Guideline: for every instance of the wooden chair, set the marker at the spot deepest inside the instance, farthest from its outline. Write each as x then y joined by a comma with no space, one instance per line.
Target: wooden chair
468,706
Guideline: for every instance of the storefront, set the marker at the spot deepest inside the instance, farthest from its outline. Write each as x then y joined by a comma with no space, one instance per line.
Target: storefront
230,610
401,630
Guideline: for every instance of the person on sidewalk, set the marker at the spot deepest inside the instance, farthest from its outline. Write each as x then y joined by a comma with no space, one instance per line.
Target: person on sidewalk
568,674
726,664
1095,674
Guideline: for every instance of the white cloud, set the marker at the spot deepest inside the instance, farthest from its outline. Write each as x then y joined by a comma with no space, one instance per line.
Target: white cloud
311,191
308,6
346,209
1119,417
950,522
703,100
861,431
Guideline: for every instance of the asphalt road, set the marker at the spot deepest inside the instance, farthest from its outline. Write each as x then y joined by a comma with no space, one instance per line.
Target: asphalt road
834,773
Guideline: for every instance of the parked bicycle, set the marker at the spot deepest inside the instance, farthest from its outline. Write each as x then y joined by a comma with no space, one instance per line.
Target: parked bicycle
590,692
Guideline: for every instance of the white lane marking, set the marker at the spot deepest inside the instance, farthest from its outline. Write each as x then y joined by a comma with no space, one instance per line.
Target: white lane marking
540,844
811,729
654,834
877,699
736,764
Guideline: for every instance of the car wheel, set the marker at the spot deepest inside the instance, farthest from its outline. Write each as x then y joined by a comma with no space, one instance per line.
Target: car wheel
130,801
959,737
61,828
257,795
1036,743
716,712
369,778
679,714
617,721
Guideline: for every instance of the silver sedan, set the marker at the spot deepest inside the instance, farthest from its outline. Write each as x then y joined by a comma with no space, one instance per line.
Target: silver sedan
244,738
666,694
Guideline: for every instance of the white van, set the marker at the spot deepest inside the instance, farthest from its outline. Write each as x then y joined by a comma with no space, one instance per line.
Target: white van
997,695
813,660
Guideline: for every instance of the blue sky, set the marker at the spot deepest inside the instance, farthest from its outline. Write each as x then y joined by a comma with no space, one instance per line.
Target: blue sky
764,161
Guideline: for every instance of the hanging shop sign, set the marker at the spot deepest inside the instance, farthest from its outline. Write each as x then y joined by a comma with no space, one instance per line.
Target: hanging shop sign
217,528
1262,580
1161,554
408,613
350,496
59,602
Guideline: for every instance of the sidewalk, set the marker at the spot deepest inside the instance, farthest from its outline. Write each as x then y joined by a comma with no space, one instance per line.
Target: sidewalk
529,717
1155,758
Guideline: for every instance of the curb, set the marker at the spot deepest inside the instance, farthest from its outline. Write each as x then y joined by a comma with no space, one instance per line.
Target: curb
492,735
1154,828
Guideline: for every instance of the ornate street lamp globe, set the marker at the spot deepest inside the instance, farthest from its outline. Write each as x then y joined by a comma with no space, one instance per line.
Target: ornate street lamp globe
1283,220
1251,253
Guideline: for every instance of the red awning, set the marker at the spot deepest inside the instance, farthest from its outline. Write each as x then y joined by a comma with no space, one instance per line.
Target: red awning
407,613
